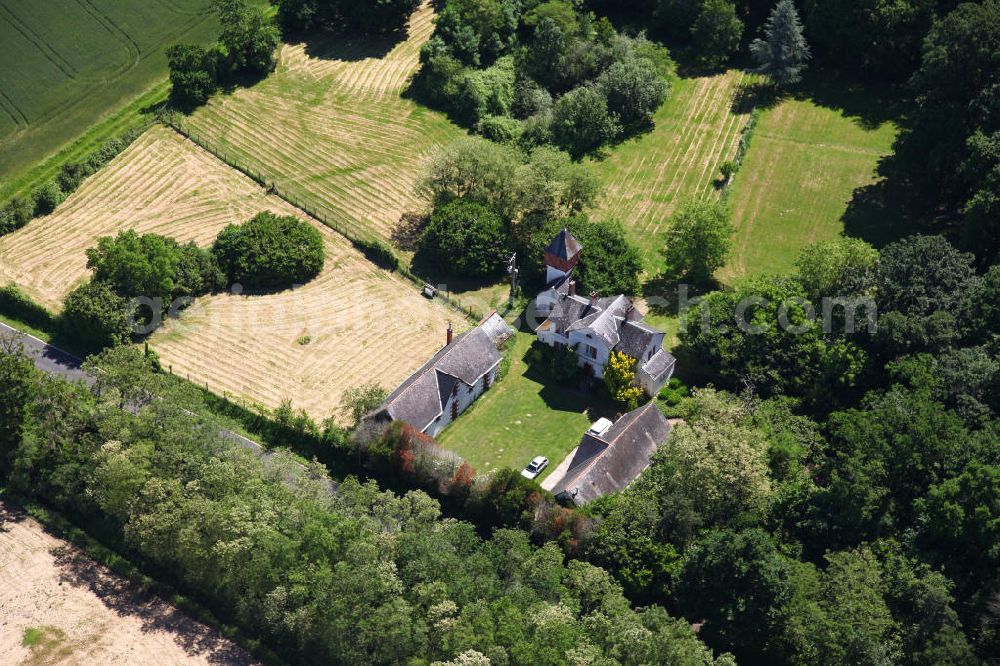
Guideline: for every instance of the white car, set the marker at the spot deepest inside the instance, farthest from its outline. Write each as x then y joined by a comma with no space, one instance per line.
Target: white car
535,467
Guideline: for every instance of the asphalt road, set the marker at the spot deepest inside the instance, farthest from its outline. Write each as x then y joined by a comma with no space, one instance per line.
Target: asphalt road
48,358
63,364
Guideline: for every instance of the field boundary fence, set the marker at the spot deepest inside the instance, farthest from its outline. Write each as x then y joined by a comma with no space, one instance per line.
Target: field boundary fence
374,248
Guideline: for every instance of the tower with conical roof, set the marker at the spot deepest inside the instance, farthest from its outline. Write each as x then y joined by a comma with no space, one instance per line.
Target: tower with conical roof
561,256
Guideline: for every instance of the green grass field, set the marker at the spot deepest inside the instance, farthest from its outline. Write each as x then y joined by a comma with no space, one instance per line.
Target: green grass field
75,68
524,415
797,179
696,130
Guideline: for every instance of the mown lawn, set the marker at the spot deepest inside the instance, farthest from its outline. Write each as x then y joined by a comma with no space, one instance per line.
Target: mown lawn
524,415
644,179
804,163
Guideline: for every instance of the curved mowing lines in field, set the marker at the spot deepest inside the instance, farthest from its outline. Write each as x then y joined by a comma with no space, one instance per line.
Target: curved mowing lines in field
368,77
159,184
371,158
333,133
47,51
365,326
106,22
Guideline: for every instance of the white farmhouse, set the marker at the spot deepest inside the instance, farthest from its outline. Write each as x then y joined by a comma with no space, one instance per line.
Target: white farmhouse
596,326
450,381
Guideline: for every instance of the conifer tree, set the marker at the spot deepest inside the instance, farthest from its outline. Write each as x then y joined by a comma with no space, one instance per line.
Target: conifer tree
782,55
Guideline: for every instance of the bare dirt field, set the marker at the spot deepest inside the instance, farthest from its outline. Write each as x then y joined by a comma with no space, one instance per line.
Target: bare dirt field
355,323
70,610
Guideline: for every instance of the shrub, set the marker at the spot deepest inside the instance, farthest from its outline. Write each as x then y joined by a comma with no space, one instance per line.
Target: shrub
70,176
378,253
466,238
360,400
619,378
488,91
16,214
440,76
270,251
717,31
581,122
634,90
153,266
563,364
47,197
501,129
95,317
530,99
699,240
16,304
672,394
193,76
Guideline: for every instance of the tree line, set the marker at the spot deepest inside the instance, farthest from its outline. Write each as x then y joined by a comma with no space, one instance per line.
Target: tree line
356,575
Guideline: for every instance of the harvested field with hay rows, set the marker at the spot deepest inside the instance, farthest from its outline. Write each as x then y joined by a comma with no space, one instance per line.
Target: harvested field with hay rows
331,130
162,184
353,324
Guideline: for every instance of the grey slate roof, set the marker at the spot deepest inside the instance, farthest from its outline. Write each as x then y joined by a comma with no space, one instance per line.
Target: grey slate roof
564,245
607,463
421,398
569,309
635,337
605,319
661,363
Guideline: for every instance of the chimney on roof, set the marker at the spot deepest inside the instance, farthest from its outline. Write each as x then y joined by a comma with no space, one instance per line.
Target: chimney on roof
593,298
571,287
451,334
629,312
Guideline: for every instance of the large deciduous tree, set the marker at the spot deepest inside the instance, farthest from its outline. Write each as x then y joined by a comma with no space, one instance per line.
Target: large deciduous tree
698,241
581,121
922,284
193,76
466,238
716,31
95,317
270,251
634,90
248,36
